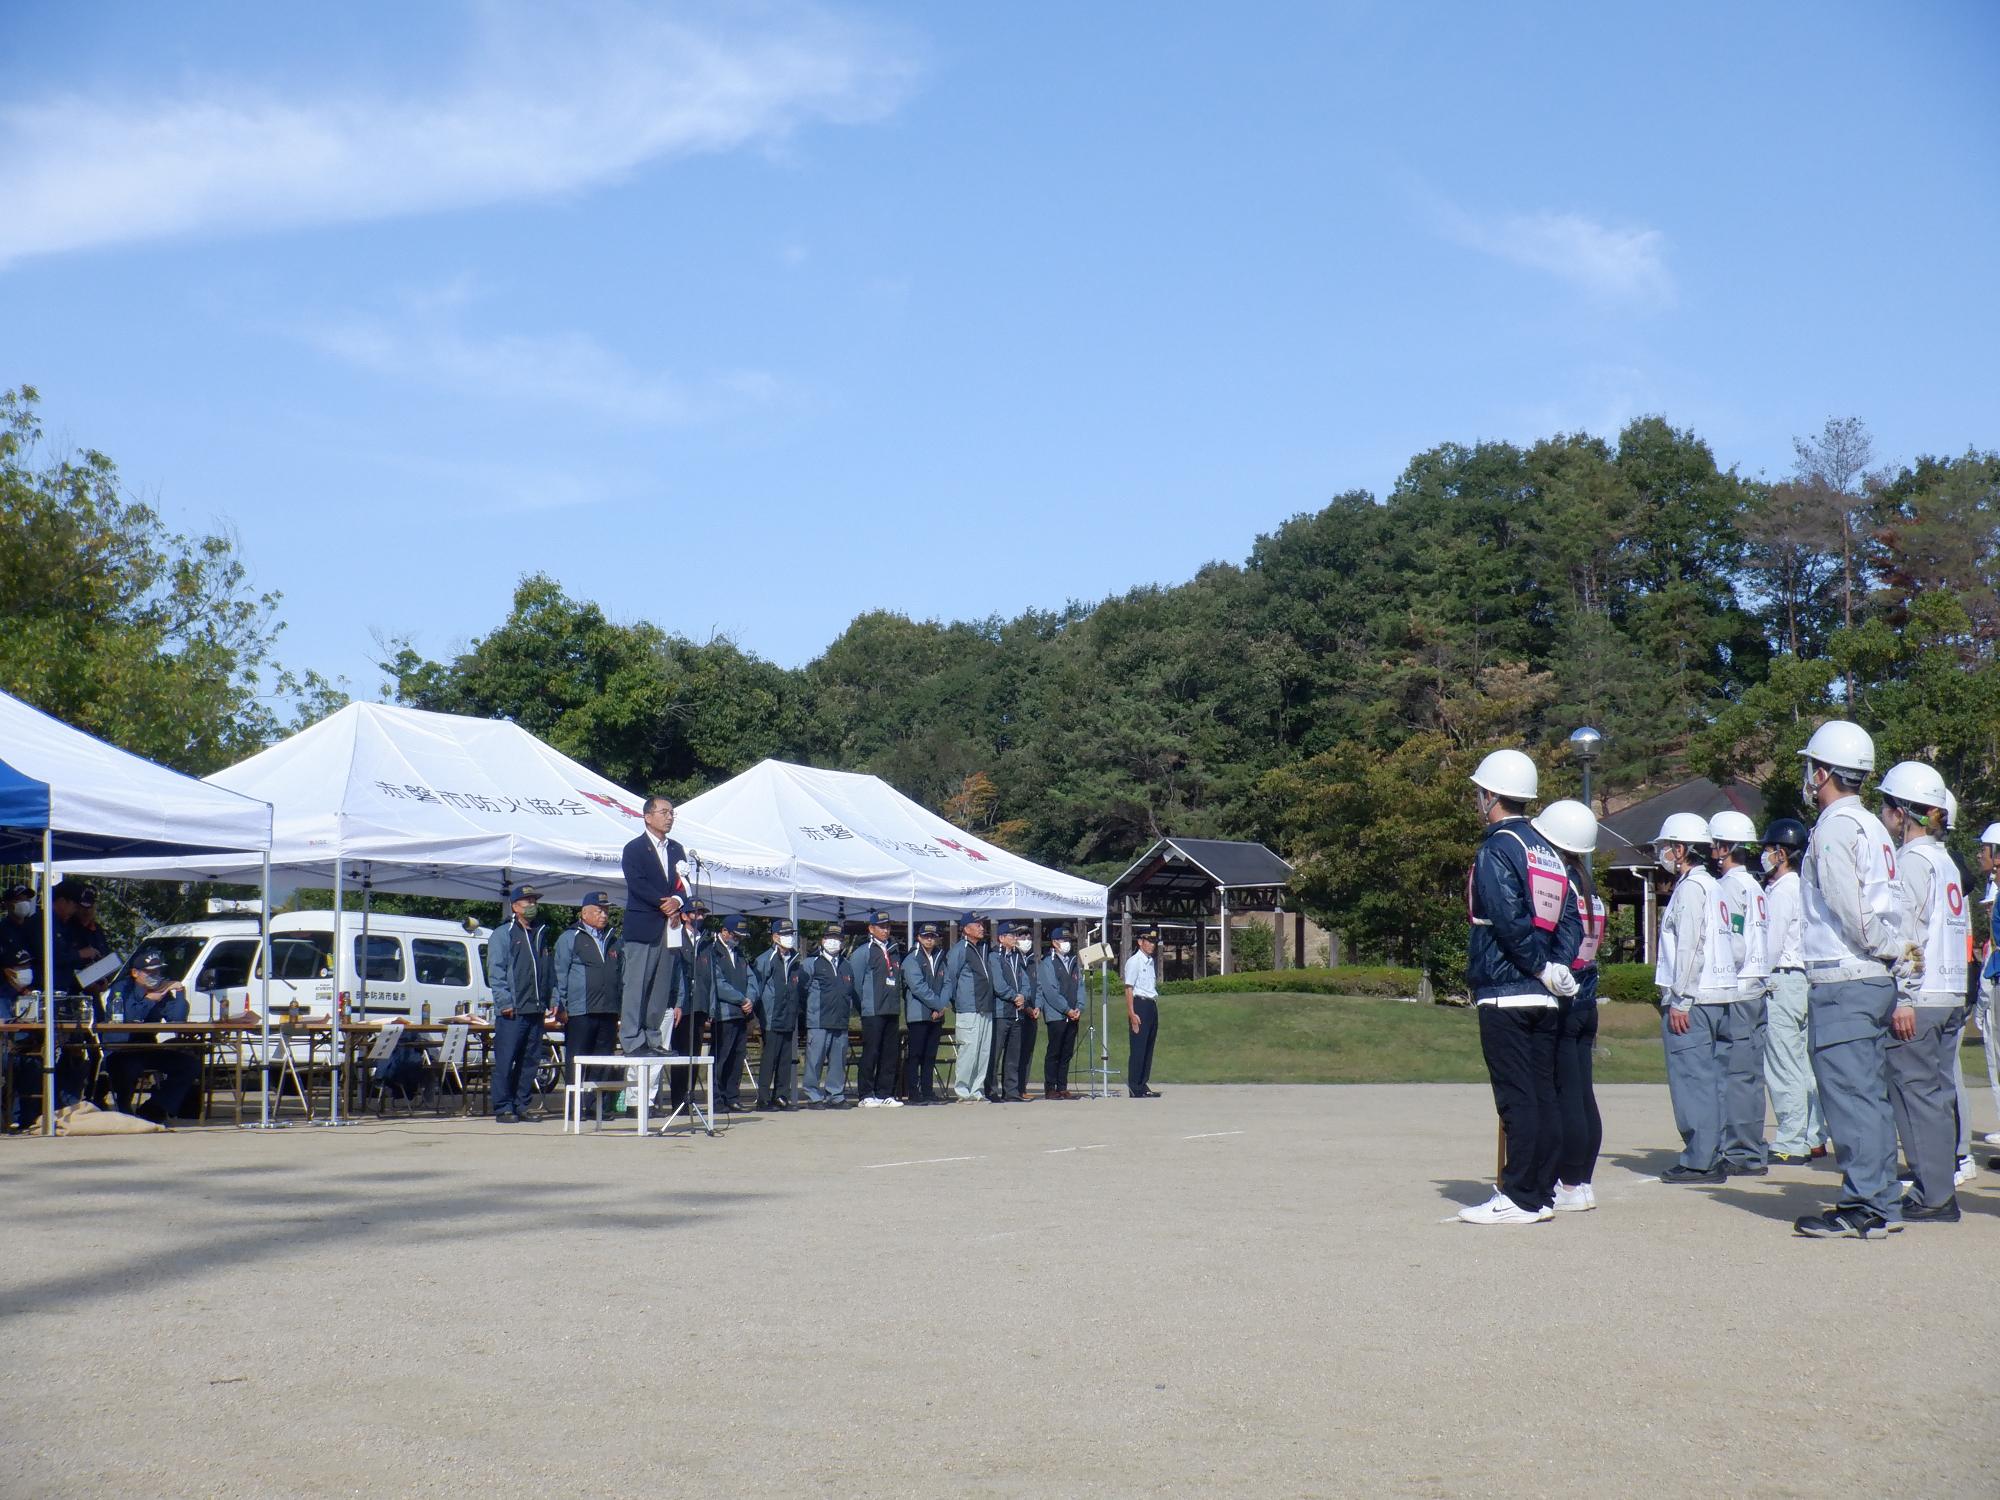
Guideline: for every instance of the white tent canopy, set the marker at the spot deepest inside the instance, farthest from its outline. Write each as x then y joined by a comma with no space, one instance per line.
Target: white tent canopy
99,799
446,805
856,841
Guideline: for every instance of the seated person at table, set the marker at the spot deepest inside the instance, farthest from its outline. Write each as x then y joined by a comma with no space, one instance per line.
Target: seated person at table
406,1072
145,994
17,978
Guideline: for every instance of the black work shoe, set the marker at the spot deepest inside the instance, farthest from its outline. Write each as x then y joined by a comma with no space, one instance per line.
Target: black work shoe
1742,1169
1786,1159
506,1117
1919,1213
1843,1224
1680,1174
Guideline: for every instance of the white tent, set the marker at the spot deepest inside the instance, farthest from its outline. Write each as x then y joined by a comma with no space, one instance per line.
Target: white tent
65,794
444,805
856,841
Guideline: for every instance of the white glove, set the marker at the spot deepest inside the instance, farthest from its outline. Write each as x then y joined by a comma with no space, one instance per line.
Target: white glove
1558,980
1909,967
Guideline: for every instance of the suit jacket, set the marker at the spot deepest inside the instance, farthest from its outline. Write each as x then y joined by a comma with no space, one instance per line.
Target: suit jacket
876,981
647,885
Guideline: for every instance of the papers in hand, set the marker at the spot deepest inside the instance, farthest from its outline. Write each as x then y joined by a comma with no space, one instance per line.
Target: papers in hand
103,969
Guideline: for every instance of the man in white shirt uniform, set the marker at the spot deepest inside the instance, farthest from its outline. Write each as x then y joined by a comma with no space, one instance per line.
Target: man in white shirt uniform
1787,1058
1696,973
1930,1005
1142,1011
1857,947
1747,925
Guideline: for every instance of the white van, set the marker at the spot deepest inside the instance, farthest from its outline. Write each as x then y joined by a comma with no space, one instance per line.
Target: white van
412,963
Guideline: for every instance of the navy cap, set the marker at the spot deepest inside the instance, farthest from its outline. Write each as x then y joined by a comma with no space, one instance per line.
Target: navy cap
697,909
781,927
77,891
22,959
527,893
732,924
17,892
971,917
1057,934
1004,929
595,898
879,919
928,929
1147,935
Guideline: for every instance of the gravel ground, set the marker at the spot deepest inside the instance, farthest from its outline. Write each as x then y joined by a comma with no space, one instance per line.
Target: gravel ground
1233,1290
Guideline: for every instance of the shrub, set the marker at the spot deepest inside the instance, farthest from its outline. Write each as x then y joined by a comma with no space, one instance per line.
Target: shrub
1349,979
1631,983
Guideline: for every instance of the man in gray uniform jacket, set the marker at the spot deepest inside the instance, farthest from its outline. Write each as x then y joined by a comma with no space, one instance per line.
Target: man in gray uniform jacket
722,974
969,983
877,979
1013,992
1697,979
830,1004
925,1000
1059,994
1857,945
590,980
777,994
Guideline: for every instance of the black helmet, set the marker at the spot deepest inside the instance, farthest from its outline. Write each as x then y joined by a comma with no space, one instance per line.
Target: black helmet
1786,833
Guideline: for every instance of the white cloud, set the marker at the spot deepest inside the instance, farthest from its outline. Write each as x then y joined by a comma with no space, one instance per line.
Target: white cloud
1618,264
553,100
567,370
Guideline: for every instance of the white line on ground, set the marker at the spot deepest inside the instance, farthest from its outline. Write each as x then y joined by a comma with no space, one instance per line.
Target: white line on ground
1093,1148
922,1161
1209,1135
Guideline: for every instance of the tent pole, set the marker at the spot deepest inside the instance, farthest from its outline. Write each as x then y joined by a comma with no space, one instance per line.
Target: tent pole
361,989
1102,1083
264,1102
49,981
335,1069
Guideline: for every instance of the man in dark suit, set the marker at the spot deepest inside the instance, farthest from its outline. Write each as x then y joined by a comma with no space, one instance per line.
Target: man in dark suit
654,893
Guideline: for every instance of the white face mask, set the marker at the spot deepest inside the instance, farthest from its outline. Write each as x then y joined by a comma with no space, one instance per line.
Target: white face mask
1026,945
831,945
22,910
1062,947
785,940
1770,861
21,979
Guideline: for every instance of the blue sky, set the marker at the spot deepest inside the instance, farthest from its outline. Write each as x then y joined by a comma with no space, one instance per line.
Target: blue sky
746,318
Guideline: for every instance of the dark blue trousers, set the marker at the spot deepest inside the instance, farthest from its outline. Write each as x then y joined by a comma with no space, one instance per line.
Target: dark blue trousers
514,1057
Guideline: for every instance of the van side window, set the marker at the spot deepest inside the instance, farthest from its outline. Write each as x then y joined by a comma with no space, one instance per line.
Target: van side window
439,961
304,955
228,965
384,963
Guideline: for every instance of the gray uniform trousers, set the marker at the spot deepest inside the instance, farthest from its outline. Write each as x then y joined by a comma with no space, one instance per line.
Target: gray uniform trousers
826,1064
1788,1067
1696,1082
1743,1087
1848,1022
645,1001
1988,1042
1925,1101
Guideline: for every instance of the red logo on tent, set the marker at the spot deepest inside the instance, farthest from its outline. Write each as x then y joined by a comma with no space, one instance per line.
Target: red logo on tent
613,803
968,853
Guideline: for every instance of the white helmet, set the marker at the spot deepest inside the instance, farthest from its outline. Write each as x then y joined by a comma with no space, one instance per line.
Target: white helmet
1992,835
1950,811
1914,783
1732,827
1509,774
1841,745
1570,826
1683,828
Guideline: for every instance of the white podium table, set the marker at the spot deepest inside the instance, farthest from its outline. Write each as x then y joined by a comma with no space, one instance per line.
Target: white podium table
648,1071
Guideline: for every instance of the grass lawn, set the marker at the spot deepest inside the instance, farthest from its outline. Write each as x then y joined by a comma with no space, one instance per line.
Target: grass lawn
1348,1039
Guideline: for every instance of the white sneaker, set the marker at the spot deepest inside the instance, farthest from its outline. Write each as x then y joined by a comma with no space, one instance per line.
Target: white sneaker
871,1103
891,1103
1574,1200
1967,1170
1590,1192
1992,1138
1500,1209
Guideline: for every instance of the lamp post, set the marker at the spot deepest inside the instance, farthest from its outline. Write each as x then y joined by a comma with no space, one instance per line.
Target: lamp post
1586,744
